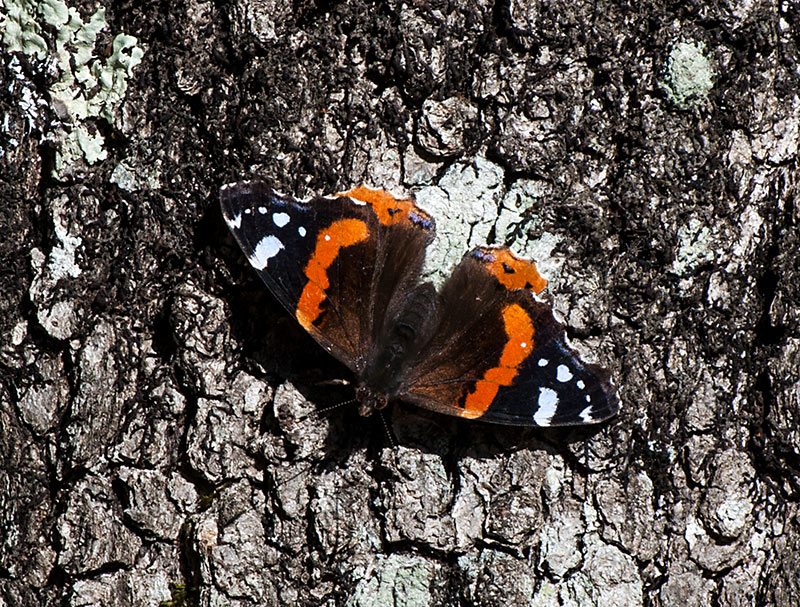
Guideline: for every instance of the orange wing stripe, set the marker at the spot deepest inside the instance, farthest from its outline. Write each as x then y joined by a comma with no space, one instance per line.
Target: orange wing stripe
340,234
519,330
389,209
515,273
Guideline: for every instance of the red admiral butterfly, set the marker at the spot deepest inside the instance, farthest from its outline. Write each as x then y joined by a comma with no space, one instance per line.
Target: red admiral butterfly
348,267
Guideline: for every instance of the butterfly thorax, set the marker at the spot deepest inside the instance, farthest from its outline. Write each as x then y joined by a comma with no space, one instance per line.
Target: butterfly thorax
382,379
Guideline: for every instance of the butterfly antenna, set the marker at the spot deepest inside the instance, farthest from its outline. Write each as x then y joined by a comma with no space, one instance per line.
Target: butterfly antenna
388,429
330,408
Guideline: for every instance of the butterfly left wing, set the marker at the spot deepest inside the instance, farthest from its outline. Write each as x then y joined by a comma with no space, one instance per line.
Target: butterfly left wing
335,262
500,355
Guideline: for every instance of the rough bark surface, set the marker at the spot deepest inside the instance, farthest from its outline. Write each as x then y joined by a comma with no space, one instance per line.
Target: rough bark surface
160,434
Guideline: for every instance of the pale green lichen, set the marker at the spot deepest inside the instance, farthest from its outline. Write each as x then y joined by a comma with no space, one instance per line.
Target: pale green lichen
464,202
690,75
54,12
695,247
21,33
88,86
398,581
131,176
89,144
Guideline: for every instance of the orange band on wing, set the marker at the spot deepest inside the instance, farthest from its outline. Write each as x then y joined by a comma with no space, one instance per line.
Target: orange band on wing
513,272
342,233
388,208
519,330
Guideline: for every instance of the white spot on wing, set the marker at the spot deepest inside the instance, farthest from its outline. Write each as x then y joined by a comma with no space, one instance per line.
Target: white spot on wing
588,398
580,384
301,230
280,219
543,362
327,236
548,399
523,345
234,223
262,210
563,373
586,415
356,201
267,248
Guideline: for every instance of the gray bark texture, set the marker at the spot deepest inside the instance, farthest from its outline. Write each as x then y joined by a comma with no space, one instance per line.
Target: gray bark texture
161,434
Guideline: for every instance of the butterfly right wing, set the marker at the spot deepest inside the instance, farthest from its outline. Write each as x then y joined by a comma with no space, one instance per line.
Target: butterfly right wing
500,356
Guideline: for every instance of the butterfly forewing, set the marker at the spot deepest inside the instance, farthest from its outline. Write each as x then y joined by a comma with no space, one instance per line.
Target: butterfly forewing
333,262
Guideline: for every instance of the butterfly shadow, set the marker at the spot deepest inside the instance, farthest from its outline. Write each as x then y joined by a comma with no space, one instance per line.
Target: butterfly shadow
447,436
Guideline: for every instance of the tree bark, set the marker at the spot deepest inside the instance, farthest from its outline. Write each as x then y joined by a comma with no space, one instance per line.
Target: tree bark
162,436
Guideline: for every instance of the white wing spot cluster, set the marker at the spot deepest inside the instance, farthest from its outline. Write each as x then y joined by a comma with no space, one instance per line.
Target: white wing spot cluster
280,219
267,248
548,401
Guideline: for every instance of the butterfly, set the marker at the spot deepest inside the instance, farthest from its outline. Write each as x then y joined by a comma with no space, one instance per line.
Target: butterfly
348,267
